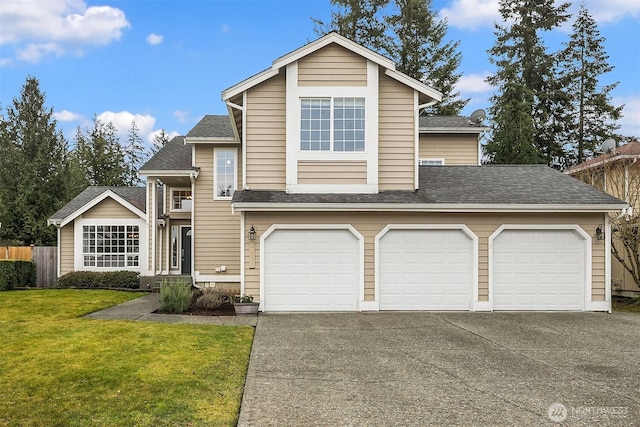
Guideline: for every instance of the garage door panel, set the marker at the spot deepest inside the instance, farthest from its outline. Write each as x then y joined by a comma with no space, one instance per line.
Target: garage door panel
538,270
425,269
311,270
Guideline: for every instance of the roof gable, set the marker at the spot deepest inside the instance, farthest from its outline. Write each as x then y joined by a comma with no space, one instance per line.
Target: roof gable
132,198
315,45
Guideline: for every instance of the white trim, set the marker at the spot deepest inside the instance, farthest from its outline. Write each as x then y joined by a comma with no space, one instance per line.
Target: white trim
479,151
292,125
607,262
249,83
244,141
361,302
420,207
193,226
215,171
454,130
416,142
332,188
95,201
372,123
242,254
169,172
78,261
180,227
152,206
414,84
474,304
212,140
58,250
220,278
170,247
588,304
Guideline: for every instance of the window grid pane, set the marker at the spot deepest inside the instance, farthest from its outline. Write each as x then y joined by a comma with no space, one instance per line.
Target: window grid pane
110,246
178,197
225,172
315,124
349,124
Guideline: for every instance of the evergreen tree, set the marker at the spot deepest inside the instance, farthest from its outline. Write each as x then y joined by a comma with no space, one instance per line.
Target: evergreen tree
357,20
100,155
136,155
527,84
591,116
159,141
419,50
34,169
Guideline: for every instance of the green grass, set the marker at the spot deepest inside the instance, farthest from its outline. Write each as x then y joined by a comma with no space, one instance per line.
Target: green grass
57,369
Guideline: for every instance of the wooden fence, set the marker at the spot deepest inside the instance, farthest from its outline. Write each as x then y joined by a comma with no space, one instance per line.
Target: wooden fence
44,257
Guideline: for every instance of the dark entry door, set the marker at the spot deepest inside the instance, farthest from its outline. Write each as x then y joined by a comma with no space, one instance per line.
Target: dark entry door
185,265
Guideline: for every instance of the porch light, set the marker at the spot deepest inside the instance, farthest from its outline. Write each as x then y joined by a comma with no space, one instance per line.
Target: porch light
599,233
252,233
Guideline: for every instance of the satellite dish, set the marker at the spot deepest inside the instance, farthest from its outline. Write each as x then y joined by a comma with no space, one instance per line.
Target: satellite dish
477,117
608,146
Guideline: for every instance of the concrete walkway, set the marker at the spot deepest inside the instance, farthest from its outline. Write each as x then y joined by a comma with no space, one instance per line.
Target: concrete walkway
142,310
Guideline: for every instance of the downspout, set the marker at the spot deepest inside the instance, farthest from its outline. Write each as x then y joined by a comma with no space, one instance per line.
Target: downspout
192,178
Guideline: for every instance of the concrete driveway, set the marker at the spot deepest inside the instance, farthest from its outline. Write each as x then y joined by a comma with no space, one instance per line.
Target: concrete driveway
422,369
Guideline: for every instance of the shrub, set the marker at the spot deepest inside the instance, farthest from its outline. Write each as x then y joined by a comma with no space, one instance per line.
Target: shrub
212,298
175,295
16,274
100,280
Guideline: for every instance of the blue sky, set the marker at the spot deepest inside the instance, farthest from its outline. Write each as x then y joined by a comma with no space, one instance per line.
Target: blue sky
164,63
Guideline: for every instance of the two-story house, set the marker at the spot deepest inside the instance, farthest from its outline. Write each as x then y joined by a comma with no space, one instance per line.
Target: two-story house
324,189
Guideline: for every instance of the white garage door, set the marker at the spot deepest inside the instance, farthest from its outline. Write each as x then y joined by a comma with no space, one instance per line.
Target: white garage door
425,270
311,270
538,270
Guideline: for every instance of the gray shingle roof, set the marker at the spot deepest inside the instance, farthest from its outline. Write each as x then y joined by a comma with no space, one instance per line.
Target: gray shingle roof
175,155
213,127
134,195
464,185
439,122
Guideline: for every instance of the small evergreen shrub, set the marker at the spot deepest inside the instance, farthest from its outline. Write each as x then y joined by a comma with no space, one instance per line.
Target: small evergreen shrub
175,295
100,280
212,298
15,273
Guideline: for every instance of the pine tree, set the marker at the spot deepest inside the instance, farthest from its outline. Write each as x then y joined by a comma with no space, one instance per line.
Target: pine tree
100,155
34,169
136,155
526,81
591,116
419,51
357,20
159,141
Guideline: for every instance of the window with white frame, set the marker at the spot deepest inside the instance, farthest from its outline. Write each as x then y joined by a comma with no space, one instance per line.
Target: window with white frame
431,162
332,124
110,246
225,172
181,199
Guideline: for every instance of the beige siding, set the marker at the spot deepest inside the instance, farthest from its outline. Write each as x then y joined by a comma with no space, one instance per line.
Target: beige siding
396,147
332,65
151,213
266,135
109,208
338,172
66,249
454,149
215,231
370,224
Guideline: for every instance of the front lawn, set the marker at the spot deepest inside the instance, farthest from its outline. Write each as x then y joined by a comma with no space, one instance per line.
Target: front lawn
58,369
630,305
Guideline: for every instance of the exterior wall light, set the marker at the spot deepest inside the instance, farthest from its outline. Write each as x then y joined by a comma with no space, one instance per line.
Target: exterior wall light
599,233
252,233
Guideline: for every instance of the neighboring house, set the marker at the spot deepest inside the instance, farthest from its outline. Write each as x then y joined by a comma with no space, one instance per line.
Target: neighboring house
617,173
324,190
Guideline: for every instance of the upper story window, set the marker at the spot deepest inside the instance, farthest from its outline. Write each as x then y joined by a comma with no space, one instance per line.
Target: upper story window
332,124
225,172
181,200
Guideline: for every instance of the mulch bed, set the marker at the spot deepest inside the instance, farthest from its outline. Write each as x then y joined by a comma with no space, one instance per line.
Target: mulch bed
193,310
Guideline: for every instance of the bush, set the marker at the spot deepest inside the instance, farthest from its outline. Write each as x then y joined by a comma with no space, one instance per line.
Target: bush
212,298
175,295
16,274
100,280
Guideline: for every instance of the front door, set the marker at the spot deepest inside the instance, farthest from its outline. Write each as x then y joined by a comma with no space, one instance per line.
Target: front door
185,265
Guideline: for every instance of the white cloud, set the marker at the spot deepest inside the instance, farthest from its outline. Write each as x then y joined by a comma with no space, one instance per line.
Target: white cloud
36,28
181,116
474,84
630,123
154,39
613,10
472,14
122,122
67,116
